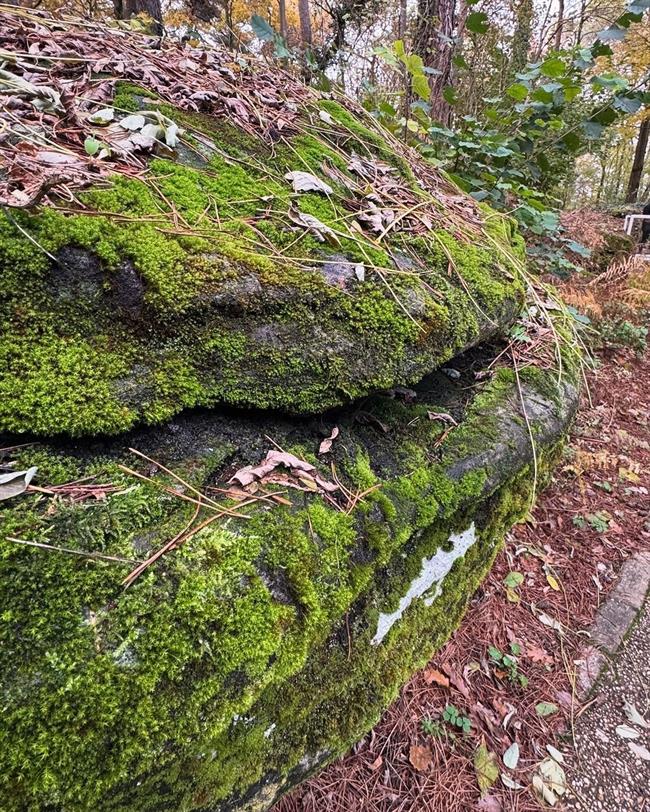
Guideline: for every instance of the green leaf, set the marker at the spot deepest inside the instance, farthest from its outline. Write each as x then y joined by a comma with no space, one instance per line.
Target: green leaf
517,91
572,91
542,95
610,82
592,130
553,67
513,579
578,248
387,109
495,654
477,22
420,86
280,50
414,64
400,51
486,767
605,116
386,54
627,105
572,141
92,145
450,95
262,29
546,708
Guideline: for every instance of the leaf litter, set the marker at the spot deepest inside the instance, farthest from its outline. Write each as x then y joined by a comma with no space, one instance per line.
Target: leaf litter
57,88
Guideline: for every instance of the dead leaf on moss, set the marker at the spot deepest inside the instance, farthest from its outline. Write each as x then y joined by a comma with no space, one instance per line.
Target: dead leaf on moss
326,444
306,182
320,230
301,470
15,482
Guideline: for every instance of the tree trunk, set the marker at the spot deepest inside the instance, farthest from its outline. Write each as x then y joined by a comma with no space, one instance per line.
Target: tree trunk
581,21
305,22
560,25
401,21
125,9
204,10
435,28
639,160
524,12
284,25
601,183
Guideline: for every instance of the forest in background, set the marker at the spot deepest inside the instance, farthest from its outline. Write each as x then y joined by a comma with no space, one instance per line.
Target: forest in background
531,106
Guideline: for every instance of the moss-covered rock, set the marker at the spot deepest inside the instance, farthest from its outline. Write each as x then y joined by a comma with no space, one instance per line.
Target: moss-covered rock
206,279
261,647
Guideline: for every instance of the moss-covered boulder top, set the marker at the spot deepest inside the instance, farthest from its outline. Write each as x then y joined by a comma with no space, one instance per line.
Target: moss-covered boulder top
187,227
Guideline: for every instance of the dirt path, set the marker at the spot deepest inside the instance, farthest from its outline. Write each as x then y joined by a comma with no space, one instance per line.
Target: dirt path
545,587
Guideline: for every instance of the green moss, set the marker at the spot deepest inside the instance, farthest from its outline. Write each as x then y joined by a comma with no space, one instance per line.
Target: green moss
201,249
62,383
177,683
129,97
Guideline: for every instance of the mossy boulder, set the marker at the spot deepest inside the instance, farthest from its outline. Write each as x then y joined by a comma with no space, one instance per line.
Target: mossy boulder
198,276
262,647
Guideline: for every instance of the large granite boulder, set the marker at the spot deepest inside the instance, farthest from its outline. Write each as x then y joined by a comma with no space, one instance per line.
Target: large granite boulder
284,253
261,647
196,615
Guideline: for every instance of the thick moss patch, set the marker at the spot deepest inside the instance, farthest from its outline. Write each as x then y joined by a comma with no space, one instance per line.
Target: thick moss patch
199,284
245,658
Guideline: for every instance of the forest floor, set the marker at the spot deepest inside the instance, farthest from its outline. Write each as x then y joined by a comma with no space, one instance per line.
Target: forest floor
541,596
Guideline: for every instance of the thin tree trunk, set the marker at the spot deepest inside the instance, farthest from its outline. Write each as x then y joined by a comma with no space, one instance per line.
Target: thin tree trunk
581,21
601,184
560,26
284,26
542,32
305,22
204,10
401,20
435,29
639,160
524,12
618,169
125,9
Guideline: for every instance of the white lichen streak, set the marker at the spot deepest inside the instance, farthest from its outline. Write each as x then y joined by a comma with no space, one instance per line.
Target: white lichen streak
432,573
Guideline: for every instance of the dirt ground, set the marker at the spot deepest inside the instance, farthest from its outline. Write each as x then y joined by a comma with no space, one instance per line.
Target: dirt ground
542,594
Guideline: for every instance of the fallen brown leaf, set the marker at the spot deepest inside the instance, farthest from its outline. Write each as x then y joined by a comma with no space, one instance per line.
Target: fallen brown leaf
432,675
326,444
420,757
376,764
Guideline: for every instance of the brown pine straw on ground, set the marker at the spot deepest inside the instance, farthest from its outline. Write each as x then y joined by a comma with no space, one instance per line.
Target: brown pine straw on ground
610,443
